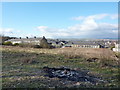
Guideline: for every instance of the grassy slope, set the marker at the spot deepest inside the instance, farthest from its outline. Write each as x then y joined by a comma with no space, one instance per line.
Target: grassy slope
22,66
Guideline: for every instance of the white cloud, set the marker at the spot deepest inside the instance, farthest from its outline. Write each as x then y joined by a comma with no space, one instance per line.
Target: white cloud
88,28
72,31
78,18
108,26
10,32
114,16
89,24
6,31
97,16
115,31
42,27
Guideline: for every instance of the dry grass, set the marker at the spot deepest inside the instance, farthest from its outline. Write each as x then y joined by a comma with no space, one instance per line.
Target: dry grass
104,56
99,53
89,53
19,62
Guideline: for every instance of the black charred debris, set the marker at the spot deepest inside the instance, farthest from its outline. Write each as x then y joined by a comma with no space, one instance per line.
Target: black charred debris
72,75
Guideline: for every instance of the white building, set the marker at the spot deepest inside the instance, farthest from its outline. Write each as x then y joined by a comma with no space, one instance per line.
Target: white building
117,48
86,45
35,41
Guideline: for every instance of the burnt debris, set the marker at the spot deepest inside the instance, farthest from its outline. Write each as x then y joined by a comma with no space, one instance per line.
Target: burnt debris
72,75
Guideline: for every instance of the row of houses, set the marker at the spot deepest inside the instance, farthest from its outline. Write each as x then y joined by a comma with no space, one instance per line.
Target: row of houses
87,46
56,43
35,41
63,43
82,45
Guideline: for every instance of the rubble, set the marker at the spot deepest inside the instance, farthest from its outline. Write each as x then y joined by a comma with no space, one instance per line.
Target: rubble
72,75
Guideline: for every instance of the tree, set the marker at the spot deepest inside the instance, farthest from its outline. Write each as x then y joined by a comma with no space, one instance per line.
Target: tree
27,37
44,43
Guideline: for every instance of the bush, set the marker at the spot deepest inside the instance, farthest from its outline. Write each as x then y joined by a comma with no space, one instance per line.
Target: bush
15,44
44,43
112,47
36,46
7,43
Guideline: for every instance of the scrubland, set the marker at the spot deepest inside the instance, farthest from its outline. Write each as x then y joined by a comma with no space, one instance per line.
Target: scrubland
22,67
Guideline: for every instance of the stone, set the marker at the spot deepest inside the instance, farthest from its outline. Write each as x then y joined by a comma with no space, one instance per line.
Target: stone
78,83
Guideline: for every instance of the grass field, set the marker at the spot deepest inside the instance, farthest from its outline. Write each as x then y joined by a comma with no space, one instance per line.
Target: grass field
22,67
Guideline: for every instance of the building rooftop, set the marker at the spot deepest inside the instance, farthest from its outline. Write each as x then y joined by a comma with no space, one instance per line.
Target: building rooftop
25,39
85,43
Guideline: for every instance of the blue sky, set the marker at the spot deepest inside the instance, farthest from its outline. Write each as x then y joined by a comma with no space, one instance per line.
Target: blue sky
60,19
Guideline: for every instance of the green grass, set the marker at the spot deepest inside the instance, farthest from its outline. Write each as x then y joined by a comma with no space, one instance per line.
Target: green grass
19,70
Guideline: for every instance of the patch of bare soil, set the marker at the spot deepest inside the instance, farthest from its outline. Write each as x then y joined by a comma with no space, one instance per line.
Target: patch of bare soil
79,77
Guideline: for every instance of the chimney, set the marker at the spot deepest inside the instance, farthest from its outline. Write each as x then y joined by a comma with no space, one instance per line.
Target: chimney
27,37
20,37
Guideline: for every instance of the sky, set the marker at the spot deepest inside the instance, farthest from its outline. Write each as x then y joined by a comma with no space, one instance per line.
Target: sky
60,19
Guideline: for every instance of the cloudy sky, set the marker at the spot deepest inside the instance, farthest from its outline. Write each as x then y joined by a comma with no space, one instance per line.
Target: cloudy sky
60,19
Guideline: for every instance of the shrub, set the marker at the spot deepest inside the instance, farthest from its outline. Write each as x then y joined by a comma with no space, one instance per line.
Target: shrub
36,46
112,47
44,43
7,43
15,44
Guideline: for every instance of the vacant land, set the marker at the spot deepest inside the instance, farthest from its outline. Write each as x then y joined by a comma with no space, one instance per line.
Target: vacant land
22,67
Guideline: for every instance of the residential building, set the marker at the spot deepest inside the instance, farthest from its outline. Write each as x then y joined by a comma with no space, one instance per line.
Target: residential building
117,48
